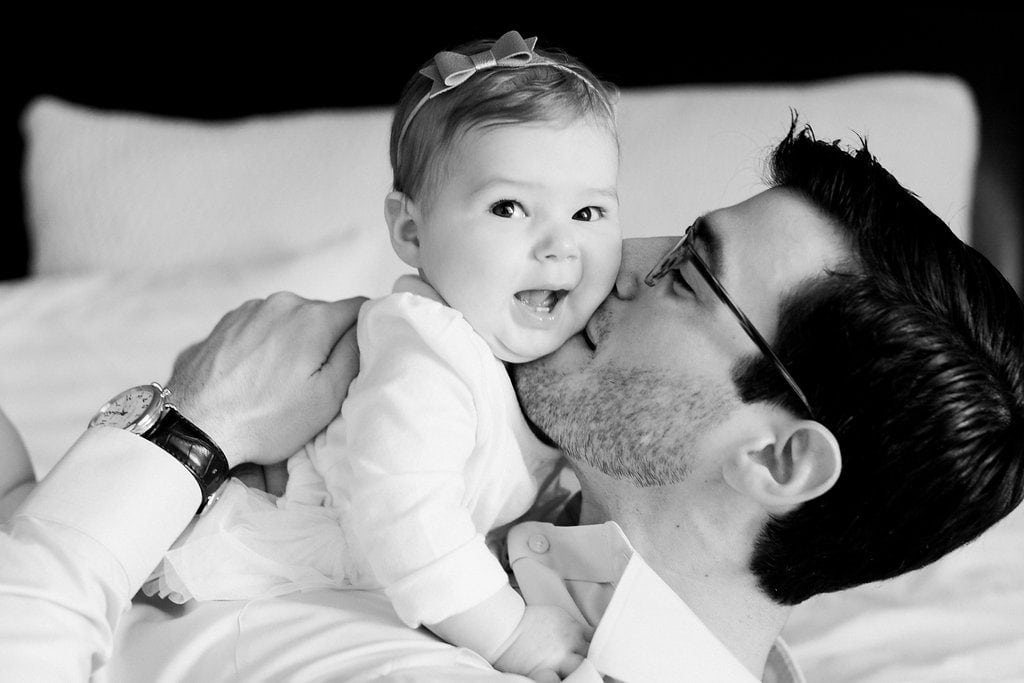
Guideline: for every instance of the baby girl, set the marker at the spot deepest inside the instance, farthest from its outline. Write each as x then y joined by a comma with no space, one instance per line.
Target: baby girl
505,161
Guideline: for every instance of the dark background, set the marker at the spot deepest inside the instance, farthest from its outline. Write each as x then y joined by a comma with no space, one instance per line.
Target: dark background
284,61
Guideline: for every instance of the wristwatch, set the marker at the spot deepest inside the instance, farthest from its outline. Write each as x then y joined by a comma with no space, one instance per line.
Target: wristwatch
144,410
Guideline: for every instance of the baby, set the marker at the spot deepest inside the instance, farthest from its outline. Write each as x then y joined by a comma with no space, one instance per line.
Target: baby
505,163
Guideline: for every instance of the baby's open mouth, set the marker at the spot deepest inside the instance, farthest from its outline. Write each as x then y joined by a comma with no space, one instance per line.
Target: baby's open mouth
541,300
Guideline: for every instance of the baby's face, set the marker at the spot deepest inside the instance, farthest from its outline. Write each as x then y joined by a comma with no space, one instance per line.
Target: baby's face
523,234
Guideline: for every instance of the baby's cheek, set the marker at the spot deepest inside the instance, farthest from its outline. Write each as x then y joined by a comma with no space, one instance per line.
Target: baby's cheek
606,256
604,272
586,303
600,269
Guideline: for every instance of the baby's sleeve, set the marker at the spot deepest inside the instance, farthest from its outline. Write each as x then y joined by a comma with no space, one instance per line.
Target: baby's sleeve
411,426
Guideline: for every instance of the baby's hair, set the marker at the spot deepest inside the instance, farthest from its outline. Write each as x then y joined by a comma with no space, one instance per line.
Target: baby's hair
498,96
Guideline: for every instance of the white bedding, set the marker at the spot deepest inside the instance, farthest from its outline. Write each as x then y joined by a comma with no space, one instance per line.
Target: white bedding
123,284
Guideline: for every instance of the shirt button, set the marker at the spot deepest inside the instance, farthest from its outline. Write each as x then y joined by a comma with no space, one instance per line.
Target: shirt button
538,543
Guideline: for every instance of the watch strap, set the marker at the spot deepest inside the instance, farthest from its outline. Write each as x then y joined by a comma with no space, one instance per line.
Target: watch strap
191,446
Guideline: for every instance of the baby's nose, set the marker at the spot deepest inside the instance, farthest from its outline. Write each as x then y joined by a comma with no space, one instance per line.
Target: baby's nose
557,244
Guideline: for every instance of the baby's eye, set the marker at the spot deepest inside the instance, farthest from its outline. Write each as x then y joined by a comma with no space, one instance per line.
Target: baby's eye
508,208
588,213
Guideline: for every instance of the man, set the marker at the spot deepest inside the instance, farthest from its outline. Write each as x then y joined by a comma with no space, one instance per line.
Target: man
724,478
891,335
900,363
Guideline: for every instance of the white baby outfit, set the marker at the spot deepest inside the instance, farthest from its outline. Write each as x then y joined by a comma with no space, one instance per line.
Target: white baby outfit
429,453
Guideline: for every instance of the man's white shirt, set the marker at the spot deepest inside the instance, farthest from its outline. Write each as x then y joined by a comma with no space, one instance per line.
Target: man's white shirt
82,544
643,630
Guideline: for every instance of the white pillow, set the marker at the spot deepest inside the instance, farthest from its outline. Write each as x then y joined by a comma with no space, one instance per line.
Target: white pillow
112,191
128,192
690,150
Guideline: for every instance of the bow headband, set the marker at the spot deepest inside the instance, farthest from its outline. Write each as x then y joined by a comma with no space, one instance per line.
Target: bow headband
452,69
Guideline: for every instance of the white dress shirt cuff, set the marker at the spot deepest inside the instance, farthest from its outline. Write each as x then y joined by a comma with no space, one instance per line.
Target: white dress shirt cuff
127,494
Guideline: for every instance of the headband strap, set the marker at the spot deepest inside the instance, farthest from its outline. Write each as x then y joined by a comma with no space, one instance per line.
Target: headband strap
452,69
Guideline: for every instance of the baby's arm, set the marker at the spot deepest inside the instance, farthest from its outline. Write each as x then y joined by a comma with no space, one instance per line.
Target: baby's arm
411,429
411,426
486,628
16,476
540,641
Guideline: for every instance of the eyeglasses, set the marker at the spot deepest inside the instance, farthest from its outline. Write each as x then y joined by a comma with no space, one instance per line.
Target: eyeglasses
684,250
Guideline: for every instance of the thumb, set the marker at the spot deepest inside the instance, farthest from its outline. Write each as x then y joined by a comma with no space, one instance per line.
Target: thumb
341,365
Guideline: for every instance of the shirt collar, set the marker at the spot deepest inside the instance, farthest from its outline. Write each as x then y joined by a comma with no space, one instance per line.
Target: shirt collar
644,631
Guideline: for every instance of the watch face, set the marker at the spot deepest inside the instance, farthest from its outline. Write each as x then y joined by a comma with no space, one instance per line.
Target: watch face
132,410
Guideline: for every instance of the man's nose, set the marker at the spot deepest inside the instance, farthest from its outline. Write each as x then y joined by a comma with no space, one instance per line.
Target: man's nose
557,243
639,255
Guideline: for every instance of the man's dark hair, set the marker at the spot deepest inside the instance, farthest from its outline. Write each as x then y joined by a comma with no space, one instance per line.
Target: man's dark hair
913,355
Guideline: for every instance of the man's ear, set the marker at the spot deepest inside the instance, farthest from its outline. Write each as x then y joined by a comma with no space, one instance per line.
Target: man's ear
403,217
799,462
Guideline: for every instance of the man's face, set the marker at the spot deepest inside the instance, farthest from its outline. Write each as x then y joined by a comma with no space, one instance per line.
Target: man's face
643,392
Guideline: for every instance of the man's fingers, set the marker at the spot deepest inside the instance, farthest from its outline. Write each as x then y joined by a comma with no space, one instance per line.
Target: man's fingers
342,365
545,676
347,310
569,664
340,317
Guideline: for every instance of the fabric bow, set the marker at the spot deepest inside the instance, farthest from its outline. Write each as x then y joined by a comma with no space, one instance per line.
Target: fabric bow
451,69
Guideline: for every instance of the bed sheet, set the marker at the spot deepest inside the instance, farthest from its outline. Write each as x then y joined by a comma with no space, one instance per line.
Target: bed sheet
78,339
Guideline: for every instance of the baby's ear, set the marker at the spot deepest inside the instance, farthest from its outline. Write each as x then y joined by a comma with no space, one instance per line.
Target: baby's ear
403,219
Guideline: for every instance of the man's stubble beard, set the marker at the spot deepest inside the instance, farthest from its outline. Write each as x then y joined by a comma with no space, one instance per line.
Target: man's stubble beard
632,424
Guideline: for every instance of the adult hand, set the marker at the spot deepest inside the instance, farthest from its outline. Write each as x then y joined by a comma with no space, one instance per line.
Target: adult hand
270,376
